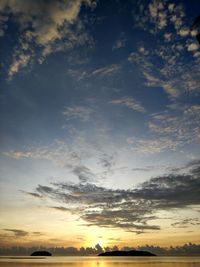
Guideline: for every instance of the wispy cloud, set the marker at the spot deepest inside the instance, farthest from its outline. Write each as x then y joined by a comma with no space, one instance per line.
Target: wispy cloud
107,161
169,130
129,102
148,168
106,71
72,157
151,146
179,123
31,194
77,112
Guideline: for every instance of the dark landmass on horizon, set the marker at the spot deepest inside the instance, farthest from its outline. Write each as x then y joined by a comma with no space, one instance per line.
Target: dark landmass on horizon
129,253
41,253
189,249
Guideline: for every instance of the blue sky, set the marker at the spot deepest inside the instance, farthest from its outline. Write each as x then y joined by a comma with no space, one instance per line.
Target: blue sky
99,98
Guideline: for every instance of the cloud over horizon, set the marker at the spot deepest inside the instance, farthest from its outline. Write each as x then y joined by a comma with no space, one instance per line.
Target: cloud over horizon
132,209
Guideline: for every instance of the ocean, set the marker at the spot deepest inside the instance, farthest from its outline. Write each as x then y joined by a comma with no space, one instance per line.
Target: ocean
100,262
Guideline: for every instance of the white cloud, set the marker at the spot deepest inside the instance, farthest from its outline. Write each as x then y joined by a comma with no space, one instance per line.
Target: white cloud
19,61
130,103
184,32
193,47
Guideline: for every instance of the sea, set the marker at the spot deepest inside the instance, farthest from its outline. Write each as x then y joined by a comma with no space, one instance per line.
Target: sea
99,261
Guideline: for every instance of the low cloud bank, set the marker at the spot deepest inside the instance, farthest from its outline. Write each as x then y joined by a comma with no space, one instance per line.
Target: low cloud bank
186,249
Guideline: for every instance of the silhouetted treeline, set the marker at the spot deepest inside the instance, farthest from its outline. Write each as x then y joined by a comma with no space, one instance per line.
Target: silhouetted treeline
187,249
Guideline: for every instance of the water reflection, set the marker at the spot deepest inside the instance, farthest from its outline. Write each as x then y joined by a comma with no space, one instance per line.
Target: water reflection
101,262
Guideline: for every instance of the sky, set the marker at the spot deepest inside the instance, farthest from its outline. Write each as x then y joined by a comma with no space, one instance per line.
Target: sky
100,123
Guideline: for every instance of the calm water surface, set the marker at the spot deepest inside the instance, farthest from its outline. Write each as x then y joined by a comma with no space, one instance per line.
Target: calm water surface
100,262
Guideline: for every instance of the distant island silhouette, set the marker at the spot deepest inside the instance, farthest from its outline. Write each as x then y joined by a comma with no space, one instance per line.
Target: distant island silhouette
41,253
127,253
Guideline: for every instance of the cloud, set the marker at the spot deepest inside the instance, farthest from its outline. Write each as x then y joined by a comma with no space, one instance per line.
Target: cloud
106,71
17,232
151,146
60,208
132,209
44,25
75,157
58,152
172,42
107,161
171,191
83,173
18,62
171,130
147,168
157,14
188,222
61,155
102,72
120,42
184,32
193,47
31,194
100,206
175,84
130,103
77,112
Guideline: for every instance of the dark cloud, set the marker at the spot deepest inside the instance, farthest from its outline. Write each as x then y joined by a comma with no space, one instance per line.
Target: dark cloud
31,194
171,191
133,209
37,233
107,161
146,168
61,208
17,232
83,173
186,223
